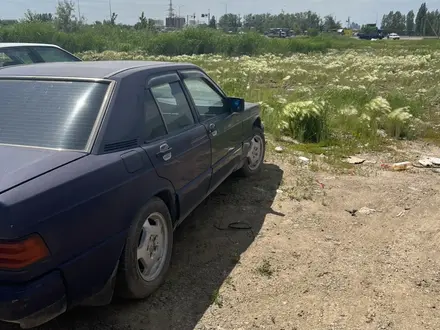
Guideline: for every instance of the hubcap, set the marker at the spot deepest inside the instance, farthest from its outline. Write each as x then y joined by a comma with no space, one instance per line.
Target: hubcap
255,154
152,247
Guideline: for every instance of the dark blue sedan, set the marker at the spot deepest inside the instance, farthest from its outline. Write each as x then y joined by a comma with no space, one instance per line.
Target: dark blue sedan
99,163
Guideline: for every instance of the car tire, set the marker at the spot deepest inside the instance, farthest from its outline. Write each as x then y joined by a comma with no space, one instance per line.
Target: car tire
251,166
152,228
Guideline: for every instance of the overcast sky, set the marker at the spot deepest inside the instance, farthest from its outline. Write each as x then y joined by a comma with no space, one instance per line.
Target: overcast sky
360,11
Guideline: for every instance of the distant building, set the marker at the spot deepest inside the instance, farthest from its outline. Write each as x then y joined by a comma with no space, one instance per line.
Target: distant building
175,22
159,23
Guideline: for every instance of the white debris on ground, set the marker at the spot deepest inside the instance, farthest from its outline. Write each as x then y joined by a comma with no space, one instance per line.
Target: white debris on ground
304,159
429,161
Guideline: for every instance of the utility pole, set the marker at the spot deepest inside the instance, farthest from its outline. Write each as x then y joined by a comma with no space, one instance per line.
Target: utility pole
79,11
170,9
110,8
226,7
208,15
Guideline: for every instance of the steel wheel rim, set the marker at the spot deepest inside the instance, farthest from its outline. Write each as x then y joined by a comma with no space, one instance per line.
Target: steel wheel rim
152,247
255,153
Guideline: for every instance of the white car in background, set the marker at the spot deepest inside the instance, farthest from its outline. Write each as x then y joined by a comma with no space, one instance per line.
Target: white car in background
26,53
393,36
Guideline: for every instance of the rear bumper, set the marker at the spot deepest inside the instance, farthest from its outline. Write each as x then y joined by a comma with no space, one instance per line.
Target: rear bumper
33,303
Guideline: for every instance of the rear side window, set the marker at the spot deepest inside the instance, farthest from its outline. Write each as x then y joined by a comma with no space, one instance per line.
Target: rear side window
15,56
154,125
49,114
53,54
173,105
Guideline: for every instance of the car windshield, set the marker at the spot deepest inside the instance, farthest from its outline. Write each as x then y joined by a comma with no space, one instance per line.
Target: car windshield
48,113
33,54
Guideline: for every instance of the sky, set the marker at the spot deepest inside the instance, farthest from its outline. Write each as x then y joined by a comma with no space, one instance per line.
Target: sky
359,11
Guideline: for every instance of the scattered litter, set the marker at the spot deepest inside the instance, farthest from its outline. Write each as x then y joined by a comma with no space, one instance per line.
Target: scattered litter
401,214
304,159
288,139
429,161
397,166
320,184
352,212
366,211
400,166
279,191
354,160
381,133
278,149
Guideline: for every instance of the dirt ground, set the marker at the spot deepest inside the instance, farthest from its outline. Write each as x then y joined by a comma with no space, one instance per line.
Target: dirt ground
307,262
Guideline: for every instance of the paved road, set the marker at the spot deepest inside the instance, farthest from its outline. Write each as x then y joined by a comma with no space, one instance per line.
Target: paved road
407,38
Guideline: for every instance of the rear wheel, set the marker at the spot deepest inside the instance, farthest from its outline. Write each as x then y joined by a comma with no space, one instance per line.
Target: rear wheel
147,253
255,156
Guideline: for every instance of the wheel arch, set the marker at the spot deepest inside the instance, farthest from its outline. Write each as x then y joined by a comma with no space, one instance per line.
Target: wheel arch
170,200
258,123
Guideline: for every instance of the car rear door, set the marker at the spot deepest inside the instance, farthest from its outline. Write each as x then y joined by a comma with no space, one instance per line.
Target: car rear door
224,127
176,143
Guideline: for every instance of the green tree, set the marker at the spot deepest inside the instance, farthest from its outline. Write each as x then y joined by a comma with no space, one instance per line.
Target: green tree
420,22
30,16
330,23
229,22
410,22
212,23
112,20
151,25
398,22
142,23
432,27
65,19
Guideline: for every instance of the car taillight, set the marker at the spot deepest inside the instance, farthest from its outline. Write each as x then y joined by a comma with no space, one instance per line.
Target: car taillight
19,254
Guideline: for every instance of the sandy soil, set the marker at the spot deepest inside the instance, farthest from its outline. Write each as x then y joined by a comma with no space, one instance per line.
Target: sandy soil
307,262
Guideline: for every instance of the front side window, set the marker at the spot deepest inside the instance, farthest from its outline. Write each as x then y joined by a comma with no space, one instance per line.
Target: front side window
49,114
173,105
207,101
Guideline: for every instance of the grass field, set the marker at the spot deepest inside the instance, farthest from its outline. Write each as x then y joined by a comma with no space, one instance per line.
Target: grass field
353,99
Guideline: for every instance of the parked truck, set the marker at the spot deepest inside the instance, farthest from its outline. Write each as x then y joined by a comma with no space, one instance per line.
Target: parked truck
371,31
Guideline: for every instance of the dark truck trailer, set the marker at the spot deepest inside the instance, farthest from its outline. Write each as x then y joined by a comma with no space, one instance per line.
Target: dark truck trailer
374,33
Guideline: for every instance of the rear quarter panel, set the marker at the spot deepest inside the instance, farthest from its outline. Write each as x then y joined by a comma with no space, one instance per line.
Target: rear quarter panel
81,207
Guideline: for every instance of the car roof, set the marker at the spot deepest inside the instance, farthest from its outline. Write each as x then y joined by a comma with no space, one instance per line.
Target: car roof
24,44
85,69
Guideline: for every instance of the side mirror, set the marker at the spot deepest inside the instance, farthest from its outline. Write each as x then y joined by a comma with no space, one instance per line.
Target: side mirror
235,104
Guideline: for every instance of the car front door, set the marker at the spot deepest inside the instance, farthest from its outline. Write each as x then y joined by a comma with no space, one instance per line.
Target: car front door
176,143
224,127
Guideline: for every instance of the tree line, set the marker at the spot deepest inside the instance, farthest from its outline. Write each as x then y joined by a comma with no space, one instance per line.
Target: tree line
65,19
424,23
